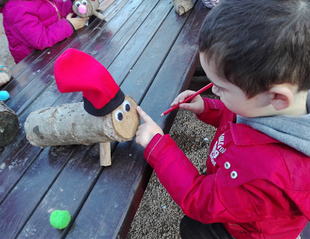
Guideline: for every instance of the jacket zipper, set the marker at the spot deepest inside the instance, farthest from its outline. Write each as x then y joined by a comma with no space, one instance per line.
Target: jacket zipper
55,7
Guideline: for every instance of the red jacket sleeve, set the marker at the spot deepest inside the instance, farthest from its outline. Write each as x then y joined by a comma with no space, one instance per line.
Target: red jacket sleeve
182,180
210,198
215,113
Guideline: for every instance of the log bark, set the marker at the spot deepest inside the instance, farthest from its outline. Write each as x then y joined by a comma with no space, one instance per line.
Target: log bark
71,124
9,125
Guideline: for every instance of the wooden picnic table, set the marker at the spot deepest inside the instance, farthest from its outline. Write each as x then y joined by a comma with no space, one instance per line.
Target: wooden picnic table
152,53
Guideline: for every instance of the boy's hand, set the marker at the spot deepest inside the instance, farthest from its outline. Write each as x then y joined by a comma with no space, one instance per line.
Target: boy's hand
77,22
196,105
4,78
147,130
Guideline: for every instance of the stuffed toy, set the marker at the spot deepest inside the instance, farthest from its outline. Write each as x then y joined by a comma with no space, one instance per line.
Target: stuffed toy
87,8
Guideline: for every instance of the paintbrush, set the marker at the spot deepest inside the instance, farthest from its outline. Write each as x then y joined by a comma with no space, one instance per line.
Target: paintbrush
188,98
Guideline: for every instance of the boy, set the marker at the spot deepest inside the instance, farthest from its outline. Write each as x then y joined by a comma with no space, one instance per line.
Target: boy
257,54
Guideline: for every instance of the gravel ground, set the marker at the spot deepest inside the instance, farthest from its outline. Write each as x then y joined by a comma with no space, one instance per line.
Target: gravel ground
158,215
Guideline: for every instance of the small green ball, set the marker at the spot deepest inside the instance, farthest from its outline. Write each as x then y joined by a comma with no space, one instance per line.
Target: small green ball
60,219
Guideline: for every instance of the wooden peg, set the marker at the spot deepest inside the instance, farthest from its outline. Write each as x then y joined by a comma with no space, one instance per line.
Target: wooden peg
105,154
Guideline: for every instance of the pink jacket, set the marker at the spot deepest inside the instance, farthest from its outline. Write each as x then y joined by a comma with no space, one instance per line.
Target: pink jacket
255,185
35,24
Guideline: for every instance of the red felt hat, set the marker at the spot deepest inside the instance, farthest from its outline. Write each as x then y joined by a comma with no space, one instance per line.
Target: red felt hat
78,71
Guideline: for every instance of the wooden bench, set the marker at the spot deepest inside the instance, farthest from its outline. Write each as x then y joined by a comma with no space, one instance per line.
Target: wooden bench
305,234
152,54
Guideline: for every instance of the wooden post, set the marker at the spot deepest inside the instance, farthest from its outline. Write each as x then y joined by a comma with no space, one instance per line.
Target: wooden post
9,125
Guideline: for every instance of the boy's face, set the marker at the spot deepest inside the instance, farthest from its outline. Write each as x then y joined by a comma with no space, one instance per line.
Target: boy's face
231,95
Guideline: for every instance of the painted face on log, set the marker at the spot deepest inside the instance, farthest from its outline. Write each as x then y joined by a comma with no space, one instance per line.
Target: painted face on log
84,8
125,118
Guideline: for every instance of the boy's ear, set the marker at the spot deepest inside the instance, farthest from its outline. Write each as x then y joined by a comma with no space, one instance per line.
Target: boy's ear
281,97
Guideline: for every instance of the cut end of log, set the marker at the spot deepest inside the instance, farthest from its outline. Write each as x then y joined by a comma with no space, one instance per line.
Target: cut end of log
125,119
9,125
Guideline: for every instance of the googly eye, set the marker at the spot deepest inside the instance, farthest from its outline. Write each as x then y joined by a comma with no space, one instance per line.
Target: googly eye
84,2
119,116
77,3
126,106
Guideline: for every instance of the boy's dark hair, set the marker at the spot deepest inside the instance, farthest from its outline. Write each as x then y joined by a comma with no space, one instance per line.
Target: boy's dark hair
2,3
259,43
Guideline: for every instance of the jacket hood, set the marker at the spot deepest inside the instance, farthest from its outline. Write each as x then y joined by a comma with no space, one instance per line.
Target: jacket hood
290,130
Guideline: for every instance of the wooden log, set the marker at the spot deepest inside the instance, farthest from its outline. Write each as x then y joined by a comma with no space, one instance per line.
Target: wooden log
9,125
182,6
71,124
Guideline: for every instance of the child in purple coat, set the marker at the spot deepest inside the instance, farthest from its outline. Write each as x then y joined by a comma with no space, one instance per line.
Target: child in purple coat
37,24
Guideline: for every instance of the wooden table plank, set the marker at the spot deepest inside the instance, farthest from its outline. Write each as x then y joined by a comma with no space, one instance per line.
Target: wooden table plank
106,46
68,192
183,69
18,156
131,52
105,31
19,172
27,193
107,222
110,207
151,60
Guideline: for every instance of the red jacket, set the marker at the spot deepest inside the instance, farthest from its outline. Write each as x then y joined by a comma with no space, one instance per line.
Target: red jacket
255,185
35,24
